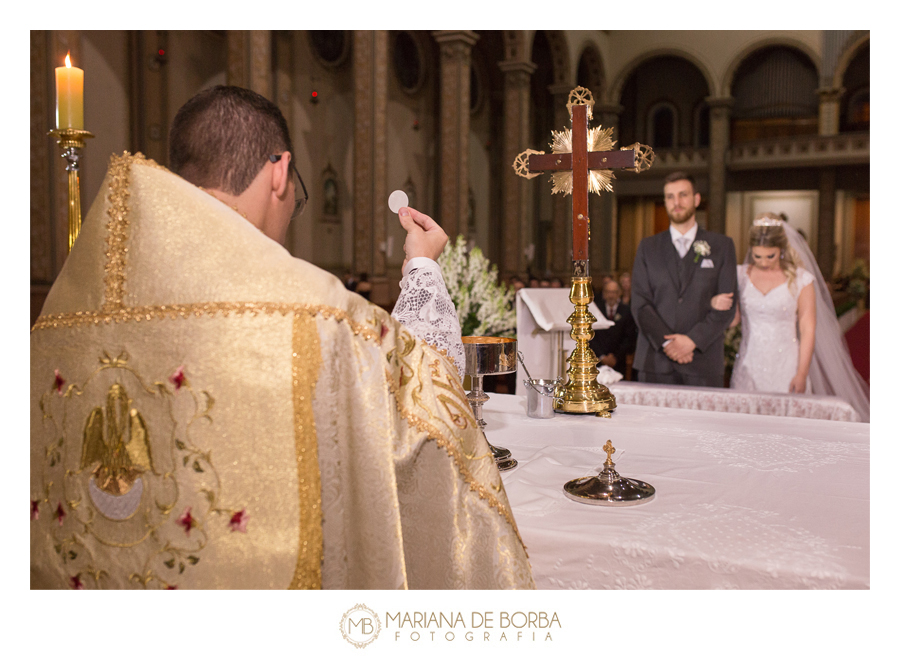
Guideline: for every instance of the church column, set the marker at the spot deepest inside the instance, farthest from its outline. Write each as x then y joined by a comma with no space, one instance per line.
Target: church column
516,99
602,248
830,110
561,254
250,60
456,58
719,138
827,206
370,65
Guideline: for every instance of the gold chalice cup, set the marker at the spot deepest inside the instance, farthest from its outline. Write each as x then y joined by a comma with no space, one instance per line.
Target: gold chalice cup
489,355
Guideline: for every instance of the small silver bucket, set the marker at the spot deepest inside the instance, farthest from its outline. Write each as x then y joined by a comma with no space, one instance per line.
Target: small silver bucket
540,397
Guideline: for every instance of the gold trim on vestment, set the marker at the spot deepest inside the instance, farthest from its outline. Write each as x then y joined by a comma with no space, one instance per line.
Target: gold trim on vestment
117,231
175,311
306,359
459,459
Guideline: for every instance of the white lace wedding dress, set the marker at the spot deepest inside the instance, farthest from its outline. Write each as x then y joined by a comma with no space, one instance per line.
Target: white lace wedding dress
770,346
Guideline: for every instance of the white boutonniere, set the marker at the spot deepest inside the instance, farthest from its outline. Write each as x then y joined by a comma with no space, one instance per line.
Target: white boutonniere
701,248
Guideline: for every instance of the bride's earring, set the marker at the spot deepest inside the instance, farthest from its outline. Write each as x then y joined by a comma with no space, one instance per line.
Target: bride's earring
782,255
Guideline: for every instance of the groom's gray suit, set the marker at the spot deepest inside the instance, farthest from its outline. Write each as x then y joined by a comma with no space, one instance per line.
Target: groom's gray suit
671,295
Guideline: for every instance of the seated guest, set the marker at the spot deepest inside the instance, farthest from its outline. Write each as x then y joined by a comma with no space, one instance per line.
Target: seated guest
614,344
210,412
625,285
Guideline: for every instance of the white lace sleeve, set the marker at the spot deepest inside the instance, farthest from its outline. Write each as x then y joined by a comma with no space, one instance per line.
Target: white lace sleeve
425,308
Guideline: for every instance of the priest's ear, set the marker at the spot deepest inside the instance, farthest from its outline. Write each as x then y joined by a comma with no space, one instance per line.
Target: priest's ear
281,173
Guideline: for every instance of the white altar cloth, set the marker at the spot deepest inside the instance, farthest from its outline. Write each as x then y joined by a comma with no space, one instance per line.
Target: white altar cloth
705,398
748,502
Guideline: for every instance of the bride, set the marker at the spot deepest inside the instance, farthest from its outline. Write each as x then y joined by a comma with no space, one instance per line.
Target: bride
791,341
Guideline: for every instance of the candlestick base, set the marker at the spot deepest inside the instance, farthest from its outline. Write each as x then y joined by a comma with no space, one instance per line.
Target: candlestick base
583,394
71,141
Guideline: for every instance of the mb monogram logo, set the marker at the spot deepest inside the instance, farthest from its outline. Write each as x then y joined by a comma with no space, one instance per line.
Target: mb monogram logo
360,626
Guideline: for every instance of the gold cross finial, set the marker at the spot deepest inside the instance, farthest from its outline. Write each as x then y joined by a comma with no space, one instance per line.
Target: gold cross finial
609,450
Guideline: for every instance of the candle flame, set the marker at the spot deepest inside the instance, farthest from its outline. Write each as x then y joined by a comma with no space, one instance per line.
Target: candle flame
68,61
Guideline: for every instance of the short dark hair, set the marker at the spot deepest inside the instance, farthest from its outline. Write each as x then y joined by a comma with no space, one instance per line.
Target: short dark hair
222,137
680,175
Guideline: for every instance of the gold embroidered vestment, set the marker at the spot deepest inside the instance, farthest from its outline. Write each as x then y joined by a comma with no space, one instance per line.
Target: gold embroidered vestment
210,412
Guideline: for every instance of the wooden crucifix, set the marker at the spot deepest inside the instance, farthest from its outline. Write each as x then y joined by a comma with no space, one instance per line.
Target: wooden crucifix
584,166
582,161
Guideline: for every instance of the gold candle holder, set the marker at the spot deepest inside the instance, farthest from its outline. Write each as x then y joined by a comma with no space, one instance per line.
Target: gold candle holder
71,141
582,393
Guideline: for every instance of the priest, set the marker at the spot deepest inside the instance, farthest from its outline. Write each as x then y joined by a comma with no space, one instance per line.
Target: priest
210,412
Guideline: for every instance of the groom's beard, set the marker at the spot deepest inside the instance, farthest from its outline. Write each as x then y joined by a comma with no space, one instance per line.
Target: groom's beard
681,216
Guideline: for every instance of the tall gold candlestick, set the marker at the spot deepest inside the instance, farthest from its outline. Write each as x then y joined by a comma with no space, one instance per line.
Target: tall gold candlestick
582,392
71,141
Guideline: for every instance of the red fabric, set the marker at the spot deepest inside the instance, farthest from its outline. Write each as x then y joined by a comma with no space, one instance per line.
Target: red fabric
858,342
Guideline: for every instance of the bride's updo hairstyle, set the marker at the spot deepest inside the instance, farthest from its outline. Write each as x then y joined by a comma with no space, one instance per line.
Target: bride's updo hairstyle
768,231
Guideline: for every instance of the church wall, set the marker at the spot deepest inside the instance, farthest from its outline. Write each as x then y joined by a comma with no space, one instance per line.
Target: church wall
106,105
322,133
412,129
715,51
197,60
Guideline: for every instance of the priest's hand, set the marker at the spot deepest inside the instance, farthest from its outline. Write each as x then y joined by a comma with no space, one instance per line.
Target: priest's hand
423,235
608,360
680,348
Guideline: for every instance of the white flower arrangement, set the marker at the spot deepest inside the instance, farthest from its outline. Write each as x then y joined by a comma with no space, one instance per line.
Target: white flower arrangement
701,248
484,306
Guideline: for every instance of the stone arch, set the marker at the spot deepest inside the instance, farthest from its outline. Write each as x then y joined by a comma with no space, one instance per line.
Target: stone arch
594,76
787,42
851,50
615,91
559,53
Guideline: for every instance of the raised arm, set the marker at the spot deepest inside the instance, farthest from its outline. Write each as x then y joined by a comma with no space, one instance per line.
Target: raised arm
424,306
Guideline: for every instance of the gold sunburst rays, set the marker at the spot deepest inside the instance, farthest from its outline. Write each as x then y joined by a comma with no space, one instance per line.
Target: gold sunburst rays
599,139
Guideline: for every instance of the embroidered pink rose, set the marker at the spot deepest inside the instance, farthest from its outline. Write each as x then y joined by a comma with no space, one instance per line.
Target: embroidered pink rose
384,330
177,378
35,510
59,514
238,521
58,381
187,521
75,582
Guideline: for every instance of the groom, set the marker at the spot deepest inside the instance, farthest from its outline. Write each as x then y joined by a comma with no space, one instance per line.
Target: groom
676,274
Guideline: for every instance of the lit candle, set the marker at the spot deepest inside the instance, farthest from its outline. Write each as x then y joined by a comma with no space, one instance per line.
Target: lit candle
69,96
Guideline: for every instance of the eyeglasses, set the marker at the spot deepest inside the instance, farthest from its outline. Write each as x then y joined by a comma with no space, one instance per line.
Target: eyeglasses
299,203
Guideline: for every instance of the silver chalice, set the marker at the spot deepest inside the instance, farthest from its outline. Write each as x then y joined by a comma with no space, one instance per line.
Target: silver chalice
489,355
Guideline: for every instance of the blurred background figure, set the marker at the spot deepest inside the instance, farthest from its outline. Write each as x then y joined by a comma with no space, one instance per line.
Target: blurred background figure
613,345
625,286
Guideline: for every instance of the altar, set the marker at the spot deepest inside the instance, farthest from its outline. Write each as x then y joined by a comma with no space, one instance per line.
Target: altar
742,501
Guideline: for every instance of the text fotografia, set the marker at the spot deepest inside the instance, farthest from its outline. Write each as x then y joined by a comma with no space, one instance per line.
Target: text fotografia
478,626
